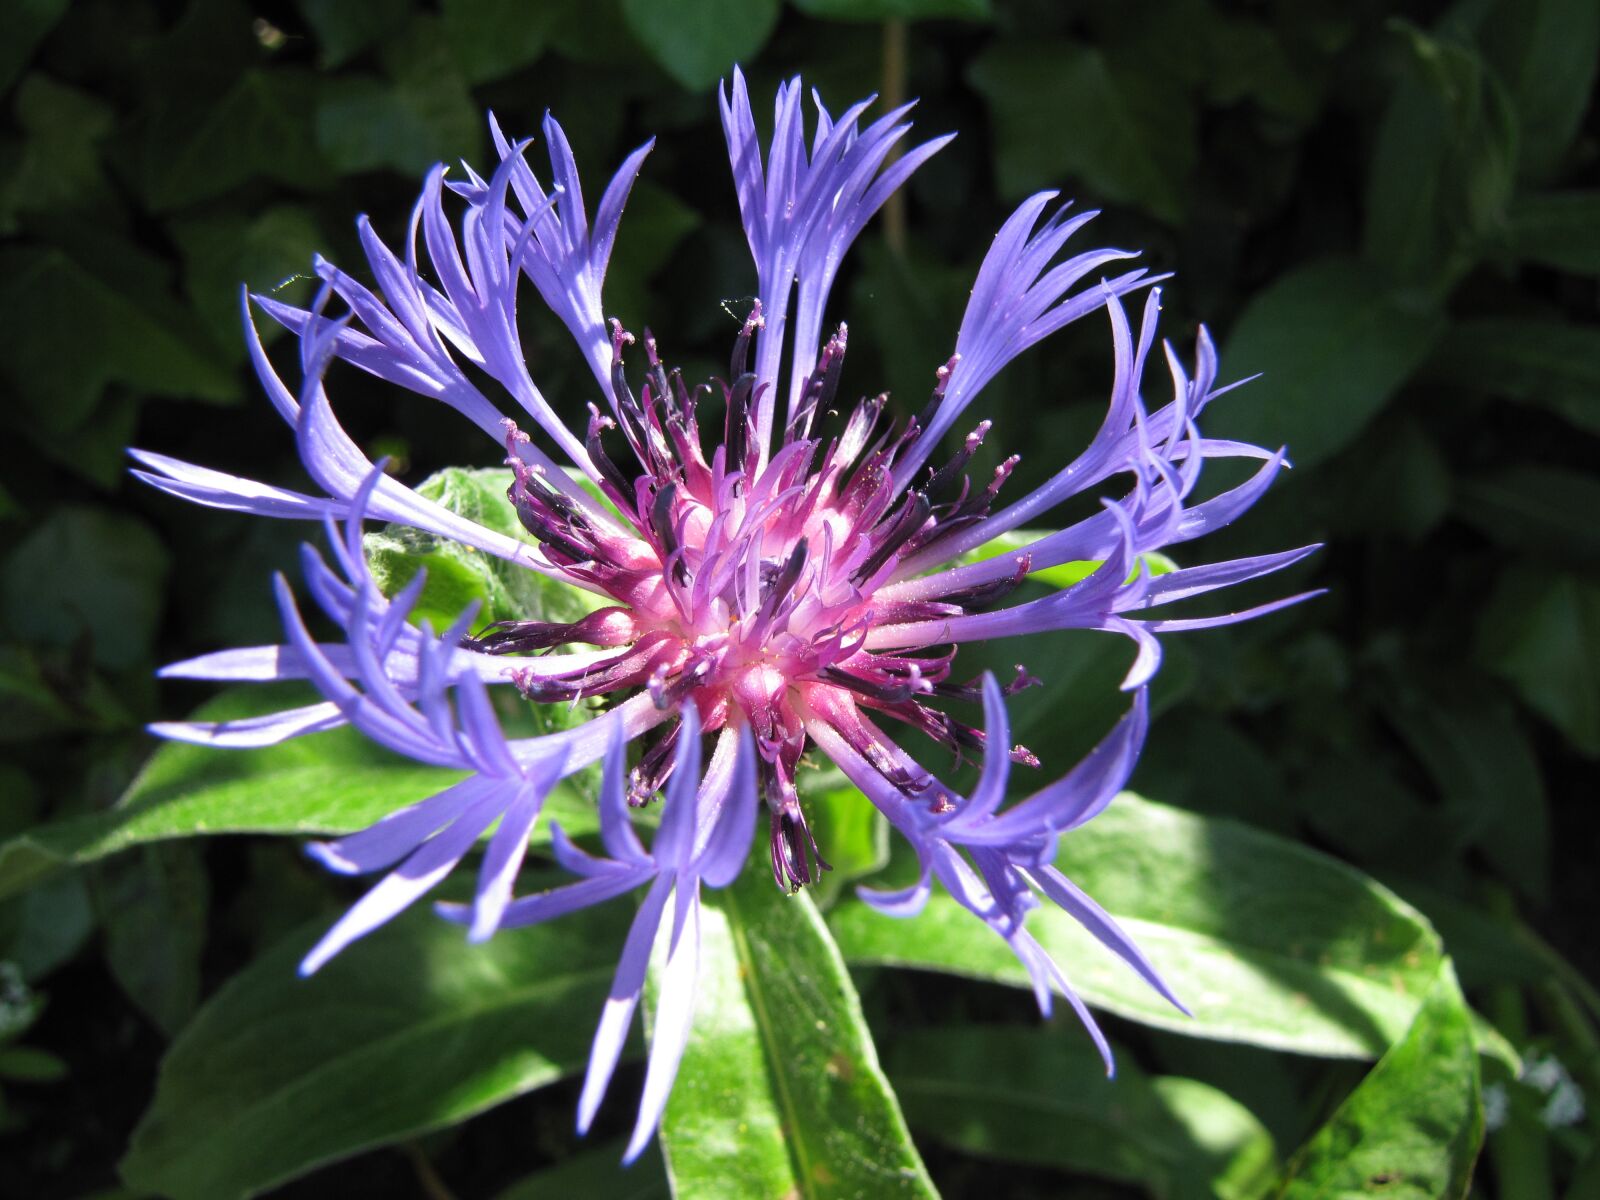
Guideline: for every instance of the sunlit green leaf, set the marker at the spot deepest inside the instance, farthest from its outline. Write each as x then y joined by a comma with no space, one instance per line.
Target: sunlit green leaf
1266,941
459,575
410,1030
1413,1127
780,1092
1042,1096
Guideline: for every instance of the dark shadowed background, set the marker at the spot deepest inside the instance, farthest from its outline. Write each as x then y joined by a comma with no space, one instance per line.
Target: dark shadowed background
1391,211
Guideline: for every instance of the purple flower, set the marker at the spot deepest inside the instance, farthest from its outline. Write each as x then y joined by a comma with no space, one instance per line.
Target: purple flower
772,578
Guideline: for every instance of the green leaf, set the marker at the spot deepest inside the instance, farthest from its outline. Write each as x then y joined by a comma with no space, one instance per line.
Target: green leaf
1041,1096
259,129
1332,347
1064,113
896,10
27,23
780,1092
87,575
697,42
1468,738
419,114
1547,51
1413,1127
27,1064
1546,363
655,225
1442,167
59,169
457,574
323,783
45,927
493,38
412,1030
1556,229
1541,633
262,250
593,1174
853,834
66,334
344,30
152,906
1529,507
1269,943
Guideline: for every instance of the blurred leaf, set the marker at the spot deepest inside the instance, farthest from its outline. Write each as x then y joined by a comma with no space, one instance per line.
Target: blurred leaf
1332,347
45,691
1041,1096
344,30
259,129
1405,454
27,23
1269,943
412,1030
46,926
152,906
1442,166
853,834
1528,507
780,1092
1413,1128
60,162
655,225
1064,114
493,38
87,573
1467,737
593,1174
421,114
27,1064
66,334
261,250
698,42
458,575
1541,632
910,307
1547,51
1556,229
1546,363
895,10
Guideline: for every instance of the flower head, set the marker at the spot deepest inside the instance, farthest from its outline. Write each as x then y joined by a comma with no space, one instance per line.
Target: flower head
772,576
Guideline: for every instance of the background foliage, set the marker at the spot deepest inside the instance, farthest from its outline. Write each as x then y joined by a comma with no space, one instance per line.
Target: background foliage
1393,212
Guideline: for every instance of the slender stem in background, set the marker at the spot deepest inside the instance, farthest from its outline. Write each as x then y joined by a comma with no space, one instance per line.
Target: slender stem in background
894,94
428,1179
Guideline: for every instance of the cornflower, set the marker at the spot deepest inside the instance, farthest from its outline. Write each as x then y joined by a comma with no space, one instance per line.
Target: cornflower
769,582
